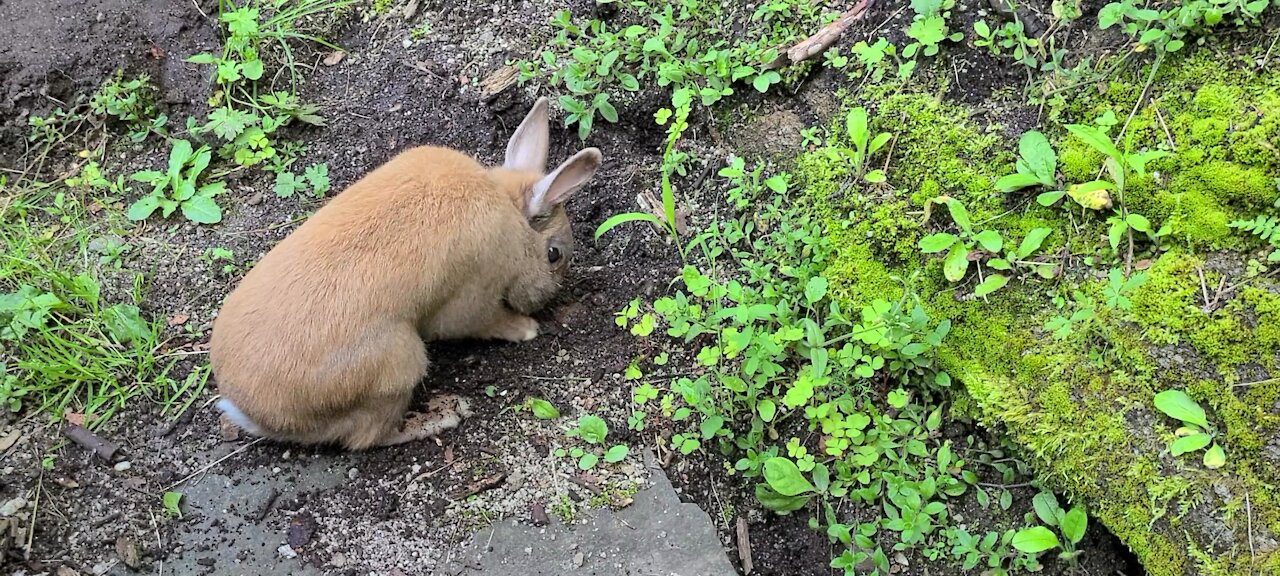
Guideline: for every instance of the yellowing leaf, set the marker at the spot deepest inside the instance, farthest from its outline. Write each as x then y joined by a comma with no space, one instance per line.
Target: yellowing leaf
1092,195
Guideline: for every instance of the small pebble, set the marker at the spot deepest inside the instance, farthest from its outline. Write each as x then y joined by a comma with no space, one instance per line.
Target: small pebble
123,465
353,473
286,551
579,559
13,506
338,560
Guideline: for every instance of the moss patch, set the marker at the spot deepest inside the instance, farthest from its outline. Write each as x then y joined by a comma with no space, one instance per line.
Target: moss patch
1078,400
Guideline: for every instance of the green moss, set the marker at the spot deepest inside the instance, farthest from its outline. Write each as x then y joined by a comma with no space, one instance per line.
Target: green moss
1161,306
1081,407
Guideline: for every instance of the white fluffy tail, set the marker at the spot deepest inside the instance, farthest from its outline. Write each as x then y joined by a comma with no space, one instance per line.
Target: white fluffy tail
238,418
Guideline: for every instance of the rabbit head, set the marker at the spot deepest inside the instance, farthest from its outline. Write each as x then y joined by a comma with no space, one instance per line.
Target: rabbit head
541,196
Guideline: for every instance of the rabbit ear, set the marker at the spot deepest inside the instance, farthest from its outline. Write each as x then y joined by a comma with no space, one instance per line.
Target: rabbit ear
567,178
527,149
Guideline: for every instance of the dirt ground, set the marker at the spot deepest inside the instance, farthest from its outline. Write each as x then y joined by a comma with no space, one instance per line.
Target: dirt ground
383,98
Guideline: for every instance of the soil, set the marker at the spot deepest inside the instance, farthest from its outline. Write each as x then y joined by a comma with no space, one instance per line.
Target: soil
383,513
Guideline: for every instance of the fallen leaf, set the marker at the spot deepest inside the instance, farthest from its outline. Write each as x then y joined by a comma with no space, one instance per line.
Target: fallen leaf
538,514
498,80
229,431
334,58
127,550
301,528
1142,264
179,319
9,440
73,418
66,482
411,9
652,205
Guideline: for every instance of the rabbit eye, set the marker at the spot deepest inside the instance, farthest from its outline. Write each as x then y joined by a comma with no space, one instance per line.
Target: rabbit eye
553,254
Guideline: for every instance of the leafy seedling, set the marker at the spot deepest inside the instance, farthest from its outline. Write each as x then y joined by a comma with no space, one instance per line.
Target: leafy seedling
1018,257
1036,166
542,409
960,247
1195,432
171,500
1071,524
177,187
863,145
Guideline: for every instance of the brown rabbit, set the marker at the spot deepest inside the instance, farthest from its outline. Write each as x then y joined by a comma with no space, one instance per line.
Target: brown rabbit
322,341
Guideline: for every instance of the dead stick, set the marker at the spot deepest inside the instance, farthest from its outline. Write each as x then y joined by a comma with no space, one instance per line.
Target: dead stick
1204,287
1249,518
821,40
744,546
482,485
86,439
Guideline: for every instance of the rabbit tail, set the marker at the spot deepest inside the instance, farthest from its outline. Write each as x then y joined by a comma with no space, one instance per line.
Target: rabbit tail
238,418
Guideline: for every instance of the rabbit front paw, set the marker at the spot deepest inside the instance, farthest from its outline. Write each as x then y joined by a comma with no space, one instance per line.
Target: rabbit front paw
517,328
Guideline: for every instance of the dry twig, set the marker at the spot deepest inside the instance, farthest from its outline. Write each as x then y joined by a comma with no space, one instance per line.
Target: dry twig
821,40
744,546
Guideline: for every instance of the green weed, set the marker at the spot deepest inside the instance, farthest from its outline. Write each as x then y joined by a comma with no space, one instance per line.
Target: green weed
130,102
179,187
1070,524
1195,433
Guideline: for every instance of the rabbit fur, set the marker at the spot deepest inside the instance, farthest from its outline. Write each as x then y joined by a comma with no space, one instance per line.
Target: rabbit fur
323,340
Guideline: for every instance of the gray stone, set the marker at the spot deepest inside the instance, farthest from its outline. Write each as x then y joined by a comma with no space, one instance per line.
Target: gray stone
656,534
226,526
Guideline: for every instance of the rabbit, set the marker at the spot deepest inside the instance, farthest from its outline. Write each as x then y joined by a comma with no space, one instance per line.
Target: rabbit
323,341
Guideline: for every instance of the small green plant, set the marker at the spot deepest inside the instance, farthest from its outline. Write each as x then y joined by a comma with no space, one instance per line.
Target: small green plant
1118,288
11,393
747,185
583,114
171,500
220,258
1036,166
863,145
878,59
1168,29
1071,524
542,409
592,430
1266,227
1195,432
929,27
54,128
179,187
130,102
962,248
1096,194
1063,325
682,100
315,180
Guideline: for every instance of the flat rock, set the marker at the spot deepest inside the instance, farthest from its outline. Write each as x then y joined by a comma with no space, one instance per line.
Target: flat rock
656,534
